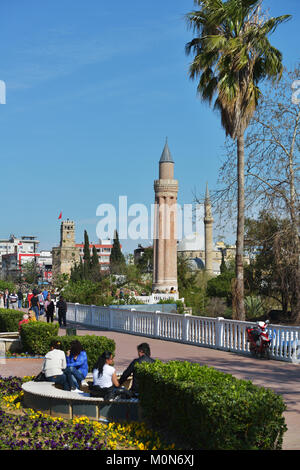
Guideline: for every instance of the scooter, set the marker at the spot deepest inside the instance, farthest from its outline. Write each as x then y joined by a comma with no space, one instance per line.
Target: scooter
259,340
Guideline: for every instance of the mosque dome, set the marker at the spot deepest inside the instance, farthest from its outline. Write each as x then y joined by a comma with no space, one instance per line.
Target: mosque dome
194,242
196,263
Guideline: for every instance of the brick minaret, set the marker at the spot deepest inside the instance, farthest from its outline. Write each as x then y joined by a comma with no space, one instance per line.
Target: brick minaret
164,237
208,223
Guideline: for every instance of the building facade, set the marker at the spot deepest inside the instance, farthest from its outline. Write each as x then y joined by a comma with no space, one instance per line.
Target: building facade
103,249
15,252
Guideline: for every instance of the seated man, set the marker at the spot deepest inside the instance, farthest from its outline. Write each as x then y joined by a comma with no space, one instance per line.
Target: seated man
144,356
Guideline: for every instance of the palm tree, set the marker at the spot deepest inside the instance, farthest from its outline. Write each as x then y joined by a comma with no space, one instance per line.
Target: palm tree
232,54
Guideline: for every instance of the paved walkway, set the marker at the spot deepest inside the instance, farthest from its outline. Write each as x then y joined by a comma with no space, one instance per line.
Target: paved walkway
282,377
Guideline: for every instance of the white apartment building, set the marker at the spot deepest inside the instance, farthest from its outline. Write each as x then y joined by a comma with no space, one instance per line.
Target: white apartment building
16,251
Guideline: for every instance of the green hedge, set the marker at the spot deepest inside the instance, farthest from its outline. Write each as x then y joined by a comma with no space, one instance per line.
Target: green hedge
9,319
36,338
209,409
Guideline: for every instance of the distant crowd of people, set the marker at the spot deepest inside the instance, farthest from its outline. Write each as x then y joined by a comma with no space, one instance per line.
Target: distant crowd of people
38,303
70,370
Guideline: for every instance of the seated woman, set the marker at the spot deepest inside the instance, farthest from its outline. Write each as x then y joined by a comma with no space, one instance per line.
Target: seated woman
25,320
55,367
104,377
77,363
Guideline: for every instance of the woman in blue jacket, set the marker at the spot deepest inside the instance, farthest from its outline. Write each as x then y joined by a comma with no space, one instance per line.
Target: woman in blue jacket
77,363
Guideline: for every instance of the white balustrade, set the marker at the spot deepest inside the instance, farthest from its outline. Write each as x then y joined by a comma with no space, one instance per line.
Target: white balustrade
217,333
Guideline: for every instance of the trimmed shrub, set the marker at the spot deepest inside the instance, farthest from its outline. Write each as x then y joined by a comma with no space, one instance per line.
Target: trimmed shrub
208,409
93,345
9,319
36,336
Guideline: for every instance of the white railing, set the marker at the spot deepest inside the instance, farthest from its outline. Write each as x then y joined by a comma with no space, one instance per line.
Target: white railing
155,298
217,333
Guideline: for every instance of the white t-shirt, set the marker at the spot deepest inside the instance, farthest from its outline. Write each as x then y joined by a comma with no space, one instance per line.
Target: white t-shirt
54,362
104,380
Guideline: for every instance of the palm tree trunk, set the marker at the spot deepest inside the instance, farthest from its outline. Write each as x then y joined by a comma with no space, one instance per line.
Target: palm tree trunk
239,267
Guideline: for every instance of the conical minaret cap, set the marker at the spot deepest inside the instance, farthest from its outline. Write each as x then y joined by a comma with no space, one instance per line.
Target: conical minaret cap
166,156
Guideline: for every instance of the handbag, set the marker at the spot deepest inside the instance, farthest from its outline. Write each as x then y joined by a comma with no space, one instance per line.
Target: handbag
40,377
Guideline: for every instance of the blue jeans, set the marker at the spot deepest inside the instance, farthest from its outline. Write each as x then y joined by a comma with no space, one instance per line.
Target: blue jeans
36,311
65,379
77,376
19,303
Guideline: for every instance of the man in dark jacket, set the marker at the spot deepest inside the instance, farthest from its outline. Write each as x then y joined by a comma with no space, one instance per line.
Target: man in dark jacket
144,356
62,311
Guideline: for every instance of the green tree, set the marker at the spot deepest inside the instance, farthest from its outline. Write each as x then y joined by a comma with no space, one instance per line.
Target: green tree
273,271
220,286
95,273
117,259
61,281
77,272
192,286
145,262
86,256
29,272
232,54
7,285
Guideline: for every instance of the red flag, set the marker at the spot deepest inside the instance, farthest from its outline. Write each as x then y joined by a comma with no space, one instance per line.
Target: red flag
60,215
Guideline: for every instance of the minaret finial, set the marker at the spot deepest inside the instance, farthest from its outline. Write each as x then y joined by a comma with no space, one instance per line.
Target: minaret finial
166,154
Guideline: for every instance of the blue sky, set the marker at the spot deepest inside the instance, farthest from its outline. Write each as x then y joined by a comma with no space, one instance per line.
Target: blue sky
93,89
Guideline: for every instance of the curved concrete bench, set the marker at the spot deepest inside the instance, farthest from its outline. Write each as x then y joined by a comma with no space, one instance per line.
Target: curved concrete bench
47,398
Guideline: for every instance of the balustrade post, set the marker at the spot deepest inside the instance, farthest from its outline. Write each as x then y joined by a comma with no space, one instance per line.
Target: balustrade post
131,320
186,327
219,333
156,323
92,314
75,311
111,320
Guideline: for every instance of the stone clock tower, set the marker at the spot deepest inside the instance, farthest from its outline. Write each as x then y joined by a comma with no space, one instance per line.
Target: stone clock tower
67,254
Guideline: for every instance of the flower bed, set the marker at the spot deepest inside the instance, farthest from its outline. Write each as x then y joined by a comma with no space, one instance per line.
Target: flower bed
27,429
23,355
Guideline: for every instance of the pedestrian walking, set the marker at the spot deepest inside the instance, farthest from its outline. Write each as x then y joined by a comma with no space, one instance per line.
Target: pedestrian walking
49,309
6,298
20,298
35,305
62,311
13,301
